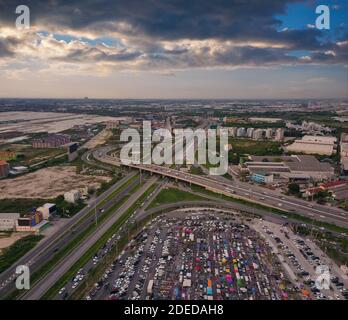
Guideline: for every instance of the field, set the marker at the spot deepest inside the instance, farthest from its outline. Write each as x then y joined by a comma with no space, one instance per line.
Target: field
17,250
27,156
173,195
52,122
48,183
253,147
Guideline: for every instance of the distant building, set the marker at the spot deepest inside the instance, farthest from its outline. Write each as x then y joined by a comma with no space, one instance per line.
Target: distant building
314,145
337,188
47,210
241,132
72,196
250,132
258,134
232,131
344,152
51,141
279,136
290,167
19,170
4,169
269,133
261,177
269,120
7,155
8,221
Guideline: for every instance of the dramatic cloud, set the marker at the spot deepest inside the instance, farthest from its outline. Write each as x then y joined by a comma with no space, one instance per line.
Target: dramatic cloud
160,36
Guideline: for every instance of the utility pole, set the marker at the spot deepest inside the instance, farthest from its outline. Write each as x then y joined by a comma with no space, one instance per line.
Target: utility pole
95,210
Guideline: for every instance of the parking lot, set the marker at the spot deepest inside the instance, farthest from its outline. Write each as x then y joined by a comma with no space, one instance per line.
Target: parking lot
201,255
301,257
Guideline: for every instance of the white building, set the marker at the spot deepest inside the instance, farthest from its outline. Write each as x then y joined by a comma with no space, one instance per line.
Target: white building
241,132
258,133
250,132
72,196
279,136
8,221
269,133
314,145
232,131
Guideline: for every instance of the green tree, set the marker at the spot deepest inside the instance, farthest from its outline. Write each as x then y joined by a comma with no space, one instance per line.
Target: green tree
294,188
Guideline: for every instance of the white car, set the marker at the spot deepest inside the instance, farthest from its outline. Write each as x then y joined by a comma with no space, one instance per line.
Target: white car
62,290
74,285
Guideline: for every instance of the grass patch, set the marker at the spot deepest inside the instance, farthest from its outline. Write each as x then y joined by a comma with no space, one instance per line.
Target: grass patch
196,170
173,195
11,254
255,147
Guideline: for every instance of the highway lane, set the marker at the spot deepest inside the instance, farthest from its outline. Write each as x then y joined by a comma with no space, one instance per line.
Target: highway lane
239,190
49,245
104,251
64,265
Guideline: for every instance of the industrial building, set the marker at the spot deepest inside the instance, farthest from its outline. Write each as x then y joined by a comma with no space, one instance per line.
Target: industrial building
4,169
8,221
290,167
261,177
51,141
314,145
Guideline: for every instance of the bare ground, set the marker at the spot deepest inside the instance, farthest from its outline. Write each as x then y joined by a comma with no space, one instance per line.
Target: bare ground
47,183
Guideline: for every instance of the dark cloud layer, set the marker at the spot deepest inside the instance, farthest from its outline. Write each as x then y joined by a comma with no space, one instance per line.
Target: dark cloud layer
146,24
171,19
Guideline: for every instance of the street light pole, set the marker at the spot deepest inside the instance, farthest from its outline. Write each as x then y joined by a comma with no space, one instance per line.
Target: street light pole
95,210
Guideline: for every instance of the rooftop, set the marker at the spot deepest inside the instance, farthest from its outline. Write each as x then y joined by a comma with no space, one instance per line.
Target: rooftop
9,215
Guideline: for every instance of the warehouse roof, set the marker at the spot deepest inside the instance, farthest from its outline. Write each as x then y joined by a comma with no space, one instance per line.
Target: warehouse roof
9,215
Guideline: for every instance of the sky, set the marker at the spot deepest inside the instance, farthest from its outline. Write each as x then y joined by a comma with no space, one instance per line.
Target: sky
237,49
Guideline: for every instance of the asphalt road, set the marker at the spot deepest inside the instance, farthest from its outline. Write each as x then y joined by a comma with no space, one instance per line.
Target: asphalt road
244,191
49,245
63,266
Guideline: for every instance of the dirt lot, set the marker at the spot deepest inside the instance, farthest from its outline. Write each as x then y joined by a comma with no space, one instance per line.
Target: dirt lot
47,183
8,239
99,139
